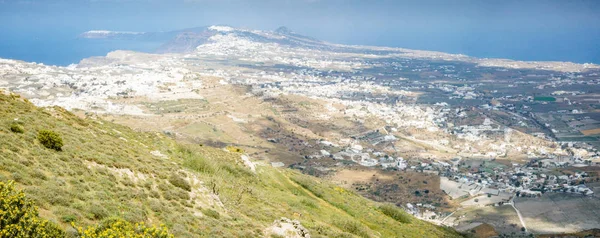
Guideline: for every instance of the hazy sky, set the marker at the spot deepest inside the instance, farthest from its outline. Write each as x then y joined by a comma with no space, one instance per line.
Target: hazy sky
541,29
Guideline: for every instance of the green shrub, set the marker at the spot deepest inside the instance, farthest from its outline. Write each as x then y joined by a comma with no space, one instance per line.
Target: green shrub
170,193
395,213
19,217
309,203
97,212
211,213
156,206
36,173
180,182
199,164
352,227
50,139
182,195
115,227
68,218
236,170
17,128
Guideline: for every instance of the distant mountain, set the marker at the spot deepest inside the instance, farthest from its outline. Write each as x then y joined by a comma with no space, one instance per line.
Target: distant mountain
186,40
283,30
287,32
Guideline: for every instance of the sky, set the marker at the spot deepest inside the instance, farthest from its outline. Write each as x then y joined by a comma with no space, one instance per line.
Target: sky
565,30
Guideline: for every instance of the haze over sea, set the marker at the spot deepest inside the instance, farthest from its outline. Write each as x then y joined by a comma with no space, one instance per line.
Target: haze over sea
58,49
46,31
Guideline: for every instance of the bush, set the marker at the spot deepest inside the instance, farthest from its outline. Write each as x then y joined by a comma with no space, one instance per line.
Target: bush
395,213
68,218
236,171
309,203
211,213
234,149
19,217
50,139
180,182
97,212
199,164
17,128
352,227
115,227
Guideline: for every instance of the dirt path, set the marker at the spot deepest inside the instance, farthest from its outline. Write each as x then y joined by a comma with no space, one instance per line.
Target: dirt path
512,203
445,218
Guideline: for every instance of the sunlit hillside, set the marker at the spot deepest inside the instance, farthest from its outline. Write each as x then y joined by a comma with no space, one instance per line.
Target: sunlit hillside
105,171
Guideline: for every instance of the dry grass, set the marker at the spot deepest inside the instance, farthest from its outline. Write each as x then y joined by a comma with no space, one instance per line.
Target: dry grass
395,187
484,231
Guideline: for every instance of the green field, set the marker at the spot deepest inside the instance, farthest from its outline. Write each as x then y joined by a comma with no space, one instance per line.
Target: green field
545,99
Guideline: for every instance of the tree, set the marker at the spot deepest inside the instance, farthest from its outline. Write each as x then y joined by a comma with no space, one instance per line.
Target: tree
50,139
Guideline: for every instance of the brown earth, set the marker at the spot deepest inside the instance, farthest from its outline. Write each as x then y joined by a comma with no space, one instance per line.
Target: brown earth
483,231
588,233
398,187
591,131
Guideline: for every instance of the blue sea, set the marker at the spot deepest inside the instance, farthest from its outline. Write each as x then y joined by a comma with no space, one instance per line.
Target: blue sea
580,45
64,48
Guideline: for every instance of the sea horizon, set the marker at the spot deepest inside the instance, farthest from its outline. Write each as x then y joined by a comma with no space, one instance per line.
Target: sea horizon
66,49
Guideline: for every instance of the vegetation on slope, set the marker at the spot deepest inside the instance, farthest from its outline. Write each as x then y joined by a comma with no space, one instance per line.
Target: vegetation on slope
109,175
19,217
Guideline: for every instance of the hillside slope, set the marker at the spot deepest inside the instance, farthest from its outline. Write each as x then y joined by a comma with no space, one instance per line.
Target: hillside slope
106,170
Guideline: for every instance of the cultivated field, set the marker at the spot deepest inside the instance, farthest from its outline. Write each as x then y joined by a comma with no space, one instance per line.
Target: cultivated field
559,213
503,218
591,131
